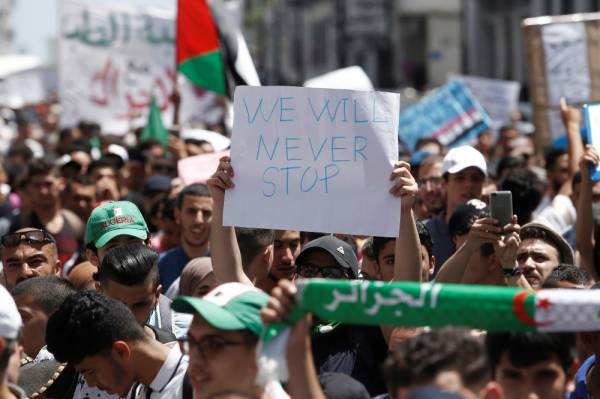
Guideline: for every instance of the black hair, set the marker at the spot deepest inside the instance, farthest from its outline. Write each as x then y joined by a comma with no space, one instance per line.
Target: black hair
102,163
47,292
196,190
425,237
130,265
252,242
378,244
527,192
9,349
21,150
552,155
463,217
40,167
137,155
367,249
87,324
420,359
569,273
525,349
509,162
83,180
168,210
79,145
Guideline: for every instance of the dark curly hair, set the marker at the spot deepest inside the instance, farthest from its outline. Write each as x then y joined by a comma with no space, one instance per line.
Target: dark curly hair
87,324
420,359
527,191
525,349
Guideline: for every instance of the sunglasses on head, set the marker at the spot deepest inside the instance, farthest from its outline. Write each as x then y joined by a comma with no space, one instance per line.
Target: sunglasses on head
29,237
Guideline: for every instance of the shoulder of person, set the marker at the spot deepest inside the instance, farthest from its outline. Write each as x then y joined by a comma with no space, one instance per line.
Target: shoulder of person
74,220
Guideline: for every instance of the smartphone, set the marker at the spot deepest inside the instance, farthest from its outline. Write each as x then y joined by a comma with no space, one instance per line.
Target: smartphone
501,207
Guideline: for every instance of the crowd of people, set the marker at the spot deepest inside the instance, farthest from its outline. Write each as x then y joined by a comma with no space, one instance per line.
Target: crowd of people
119,281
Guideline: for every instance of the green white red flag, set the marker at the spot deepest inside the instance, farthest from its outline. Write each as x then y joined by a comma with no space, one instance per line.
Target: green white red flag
410,304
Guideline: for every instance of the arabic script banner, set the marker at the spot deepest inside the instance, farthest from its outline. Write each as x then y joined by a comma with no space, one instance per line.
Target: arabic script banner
113,59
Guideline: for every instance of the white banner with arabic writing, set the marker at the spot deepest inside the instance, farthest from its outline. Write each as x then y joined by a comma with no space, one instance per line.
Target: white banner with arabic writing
113,59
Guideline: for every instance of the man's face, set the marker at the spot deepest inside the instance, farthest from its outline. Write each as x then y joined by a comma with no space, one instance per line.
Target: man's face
194,218
386,259
427,264
320,263
28,260
118,240
104,172
559,173
107,372
431,186
464,185
140,299
81,200
368,269
286,248
212,352
34,324
543,380
537,259
44,190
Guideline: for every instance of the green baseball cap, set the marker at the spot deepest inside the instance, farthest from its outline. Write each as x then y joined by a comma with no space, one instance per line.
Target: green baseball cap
230,306
113,219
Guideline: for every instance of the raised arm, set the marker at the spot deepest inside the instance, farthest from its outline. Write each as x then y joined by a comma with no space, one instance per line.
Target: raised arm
584,227
572,120
407,259
224,249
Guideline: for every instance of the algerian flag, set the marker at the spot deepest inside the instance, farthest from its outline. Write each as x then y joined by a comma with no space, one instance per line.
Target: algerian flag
154,129
212,52
409,304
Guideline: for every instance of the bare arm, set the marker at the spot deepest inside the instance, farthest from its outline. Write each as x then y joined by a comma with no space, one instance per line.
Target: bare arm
407,259
224,249
572,120
584,227
483,231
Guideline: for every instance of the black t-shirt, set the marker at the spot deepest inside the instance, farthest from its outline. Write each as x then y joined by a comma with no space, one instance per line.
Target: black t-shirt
355,350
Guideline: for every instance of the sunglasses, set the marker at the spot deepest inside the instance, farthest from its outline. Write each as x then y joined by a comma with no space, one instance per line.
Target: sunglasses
307,270
29,237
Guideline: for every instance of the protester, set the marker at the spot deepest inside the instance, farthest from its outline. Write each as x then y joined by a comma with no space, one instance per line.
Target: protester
43,186
531,364
431,186
28,253
193,214
120,359
80,196
37,298
129,274
463,170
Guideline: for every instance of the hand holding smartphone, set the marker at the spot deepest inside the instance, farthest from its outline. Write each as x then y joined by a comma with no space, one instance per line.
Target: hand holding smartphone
501,207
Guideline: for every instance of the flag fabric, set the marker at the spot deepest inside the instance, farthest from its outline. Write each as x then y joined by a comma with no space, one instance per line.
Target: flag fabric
411,304
154,129
211,50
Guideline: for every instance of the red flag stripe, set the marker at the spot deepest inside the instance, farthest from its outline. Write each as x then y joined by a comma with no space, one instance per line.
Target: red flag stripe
196,30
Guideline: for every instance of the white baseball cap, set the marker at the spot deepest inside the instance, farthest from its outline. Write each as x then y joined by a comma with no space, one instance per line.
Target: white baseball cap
460,158
10,319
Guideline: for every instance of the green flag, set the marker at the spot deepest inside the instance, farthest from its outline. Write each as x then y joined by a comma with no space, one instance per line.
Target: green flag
155,129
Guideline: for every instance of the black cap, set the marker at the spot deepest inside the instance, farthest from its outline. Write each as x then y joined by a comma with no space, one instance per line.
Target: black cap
340,250
342,386
157,183
465,215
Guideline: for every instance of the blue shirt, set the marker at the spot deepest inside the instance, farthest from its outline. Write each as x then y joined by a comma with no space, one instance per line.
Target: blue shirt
170,266
443,247
581,391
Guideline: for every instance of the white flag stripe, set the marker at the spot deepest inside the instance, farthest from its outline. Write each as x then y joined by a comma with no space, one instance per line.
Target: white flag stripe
567,310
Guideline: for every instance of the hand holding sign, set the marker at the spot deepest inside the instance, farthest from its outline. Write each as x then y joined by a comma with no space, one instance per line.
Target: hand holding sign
405,185
315,160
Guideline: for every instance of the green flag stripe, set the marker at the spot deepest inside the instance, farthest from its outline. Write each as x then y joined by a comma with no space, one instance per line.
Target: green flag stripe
206,71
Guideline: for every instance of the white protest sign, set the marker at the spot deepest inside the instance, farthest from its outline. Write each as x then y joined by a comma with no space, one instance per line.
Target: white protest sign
112,59
592,121
498,97
566,61
314,160
353,78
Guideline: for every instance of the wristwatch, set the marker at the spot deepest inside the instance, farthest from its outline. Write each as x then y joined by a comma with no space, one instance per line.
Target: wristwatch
515,271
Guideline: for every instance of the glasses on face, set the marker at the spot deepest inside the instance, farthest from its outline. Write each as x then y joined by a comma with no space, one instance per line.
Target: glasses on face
209,346
307,270
29,237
